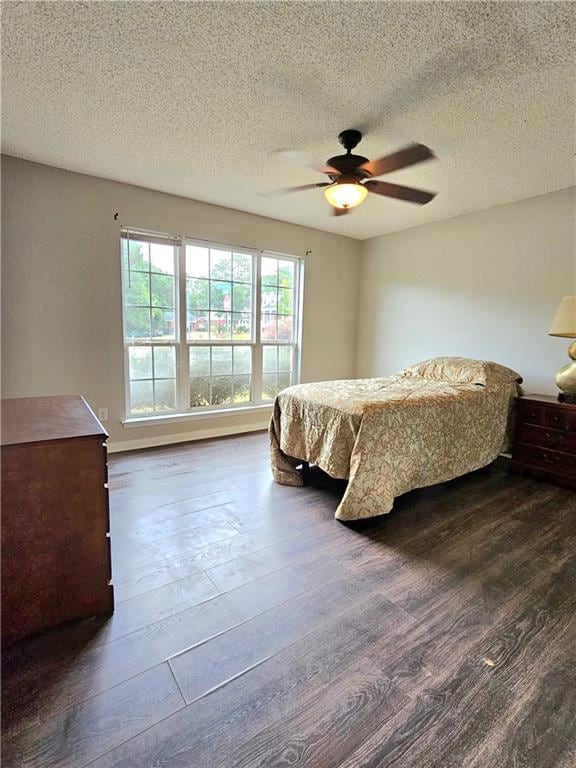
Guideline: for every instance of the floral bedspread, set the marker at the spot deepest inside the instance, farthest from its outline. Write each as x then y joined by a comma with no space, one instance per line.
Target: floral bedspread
387,436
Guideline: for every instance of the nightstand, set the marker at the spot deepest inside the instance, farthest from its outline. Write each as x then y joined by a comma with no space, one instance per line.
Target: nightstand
545,439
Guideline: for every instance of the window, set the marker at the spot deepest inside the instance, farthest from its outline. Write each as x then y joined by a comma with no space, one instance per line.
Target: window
206,326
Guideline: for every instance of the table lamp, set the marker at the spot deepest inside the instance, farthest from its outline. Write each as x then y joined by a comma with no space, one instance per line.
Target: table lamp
564,324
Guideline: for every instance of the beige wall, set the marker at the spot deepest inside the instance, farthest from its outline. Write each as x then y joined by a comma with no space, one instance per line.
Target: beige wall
483,285
62,329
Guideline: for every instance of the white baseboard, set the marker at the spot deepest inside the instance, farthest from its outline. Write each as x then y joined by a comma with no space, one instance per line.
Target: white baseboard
118,446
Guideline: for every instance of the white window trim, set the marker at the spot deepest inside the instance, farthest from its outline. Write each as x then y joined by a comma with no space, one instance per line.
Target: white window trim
181,343
217,412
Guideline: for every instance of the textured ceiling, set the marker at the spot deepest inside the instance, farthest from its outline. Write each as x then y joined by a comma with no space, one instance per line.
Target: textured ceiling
196,98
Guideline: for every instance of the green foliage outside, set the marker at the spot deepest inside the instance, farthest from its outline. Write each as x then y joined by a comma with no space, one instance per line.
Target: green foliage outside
149,283
220,375
219,295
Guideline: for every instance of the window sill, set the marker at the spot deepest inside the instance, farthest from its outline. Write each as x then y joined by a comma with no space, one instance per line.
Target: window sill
175,418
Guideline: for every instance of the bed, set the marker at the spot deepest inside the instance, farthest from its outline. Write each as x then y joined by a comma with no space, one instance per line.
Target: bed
431,422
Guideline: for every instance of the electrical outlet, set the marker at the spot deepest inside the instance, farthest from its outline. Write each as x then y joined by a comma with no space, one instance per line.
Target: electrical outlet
103,414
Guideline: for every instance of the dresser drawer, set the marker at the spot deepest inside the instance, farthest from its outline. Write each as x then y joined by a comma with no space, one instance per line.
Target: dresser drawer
544,458
556,439
531,413
558,418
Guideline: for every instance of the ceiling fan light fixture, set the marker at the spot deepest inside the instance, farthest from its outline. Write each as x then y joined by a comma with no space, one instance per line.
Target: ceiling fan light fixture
345,194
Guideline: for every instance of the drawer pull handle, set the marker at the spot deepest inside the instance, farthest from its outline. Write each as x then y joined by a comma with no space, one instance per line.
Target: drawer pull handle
549,460
554,438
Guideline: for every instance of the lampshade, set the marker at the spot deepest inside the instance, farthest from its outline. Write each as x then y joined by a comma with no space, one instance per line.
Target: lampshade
564,323
345,194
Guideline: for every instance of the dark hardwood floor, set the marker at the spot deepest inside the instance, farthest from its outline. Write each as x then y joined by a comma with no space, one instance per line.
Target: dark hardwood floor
254,630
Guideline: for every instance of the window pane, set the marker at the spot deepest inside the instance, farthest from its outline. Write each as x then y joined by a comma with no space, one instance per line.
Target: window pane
269,271
199,392
269,388
286,273
164,363
285,301
283,381
137,288
221,360
162,258
220,265
242,297
241,326
140,362
199,361
241,389
162,290
137,323
220,295
163,324
196,261
269,359
197,294
242,360
285,358
139,256
165,395
220,325
242,267
269,298
268,328
198,326
221,390
285,328
141,397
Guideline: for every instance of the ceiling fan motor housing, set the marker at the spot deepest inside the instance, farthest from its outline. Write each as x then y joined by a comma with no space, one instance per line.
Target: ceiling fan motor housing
350,165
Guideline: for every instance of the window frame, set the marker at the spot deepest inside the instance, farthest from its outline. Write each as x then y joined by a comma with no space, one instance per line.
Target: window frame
150,238
182,344
296,342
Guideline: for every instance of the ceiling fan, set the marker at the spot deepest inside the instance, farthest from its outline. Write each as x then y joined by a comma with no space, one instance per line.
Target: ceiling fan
351,176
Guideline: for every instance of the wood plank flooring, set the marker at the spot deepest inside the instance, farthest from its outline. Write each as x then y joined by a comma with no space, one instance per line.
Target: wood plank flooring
252,630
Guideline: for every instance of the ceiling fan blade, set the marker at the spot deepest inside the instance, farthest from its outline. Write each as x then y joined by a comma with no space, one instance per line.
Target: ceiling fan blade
410,194
410,155
340,211
289,190
301,158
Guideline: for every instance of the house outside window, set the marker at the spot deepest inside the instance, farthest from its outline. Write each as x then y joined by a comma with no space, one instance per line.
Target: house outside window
206,326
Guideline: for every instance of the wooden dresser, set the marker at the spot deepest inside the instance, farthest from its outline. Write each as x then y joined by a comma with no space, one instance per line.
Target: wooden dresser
545,439
55,540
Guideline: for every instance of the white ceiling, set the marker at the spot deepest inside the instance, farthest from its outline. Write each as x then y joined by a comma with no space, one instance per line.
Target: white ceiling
196,98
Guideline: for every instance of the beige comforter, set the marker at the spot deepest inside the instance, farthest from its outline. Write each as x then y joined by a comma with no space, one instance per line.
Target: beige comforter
387,436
